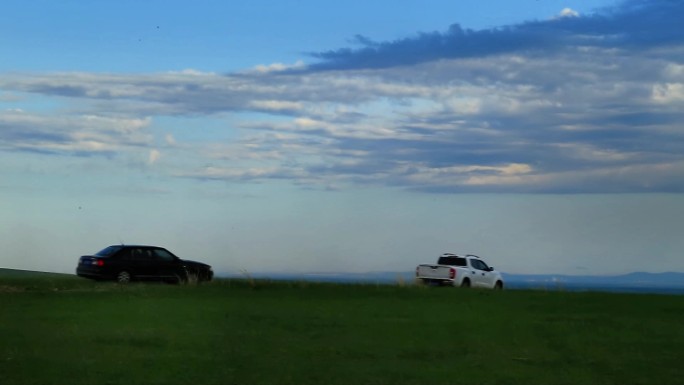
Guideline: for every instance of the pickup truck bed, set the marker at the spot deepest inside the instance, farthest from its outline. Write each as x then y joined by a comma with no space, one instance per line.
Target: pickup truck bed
463,271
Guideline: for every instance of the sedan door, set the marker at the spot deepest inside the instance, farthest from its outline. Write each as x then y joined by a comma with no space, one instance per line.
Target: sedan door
166,265
141,263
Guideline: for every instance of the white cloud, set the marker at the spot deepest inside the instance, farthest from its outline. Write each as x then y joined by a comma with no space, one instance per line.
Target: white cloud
468,175
568,12
279,67
71,134
593,153
674,72
192,72
275,105
668,93
170,140
245,174
154,156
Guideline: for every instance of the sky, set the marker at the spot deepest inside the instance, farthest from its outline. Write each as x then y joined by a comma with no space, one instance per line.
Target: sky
317,136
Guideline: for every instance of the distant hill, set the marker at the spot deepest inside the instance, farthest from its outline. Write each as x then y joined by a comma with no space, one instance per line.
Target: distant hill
632,279
668,278
668,282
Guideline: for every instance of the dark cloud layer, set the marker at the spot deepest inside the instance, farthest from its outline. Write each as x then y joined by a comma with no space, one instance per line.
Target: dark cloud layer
635,24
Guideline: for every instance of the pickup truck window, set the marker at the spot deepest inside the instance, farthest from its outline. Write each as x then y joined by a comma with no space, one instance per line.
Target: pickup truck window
452,261
479,265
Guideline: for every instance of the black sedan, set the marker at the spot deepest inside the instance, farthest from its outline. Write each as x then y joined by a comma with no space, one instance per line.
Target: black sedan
125,263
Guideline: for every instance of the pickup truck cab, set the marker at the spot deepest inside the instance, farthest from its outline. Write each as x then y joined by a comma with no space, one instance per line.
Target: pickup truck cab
463,271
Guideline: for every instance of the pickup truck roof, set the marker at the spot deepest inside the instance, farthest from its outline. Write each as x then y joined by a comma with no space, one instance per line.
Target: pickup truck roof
455,255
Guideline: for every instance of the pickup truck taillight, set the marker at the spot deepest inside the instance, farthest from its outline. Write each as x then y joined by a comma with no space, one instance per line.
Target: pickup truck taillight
417,268
452,273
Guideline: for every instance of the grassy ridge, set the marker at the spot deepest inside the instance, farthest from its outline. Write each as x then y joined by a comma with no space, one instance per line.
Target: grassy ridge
61,329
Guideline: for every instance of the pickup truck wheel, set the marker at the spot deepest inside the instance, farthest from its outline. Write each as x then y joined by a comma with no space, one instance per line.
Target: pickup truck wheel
465,283
498,285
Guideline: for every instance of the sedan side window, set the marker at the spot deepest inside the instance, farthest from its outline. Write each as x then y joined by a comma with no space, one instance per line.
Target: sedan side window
140,255
163,255
126,255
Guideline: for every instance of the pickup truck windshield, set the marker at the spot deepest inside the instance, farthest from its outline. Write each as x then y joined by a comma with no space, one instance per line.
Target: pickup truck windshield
452,261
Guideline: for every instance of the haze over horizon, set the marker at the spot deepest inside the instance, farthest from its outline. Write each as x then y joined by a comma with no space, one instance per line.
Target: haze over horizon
321,136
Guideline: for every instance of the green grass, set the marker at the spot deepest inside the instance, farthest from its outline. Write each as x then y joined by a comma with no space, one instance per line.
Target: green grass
57,329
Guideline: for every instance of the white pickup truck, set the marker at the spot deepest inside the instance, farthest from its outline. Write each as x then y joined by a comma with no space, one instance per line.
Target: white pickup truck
463,271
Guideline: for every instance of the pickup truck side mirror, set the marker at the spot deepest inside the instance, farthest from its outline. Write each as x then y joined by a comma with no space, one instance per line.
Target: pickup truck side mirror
491,268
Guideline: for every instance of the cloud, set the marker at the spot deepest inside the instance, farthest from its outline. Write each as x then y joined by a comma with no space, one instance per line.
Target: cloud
636,23
154,156
80,135
278,67
590,103
275,106
8,97
668,93
568,12
170,139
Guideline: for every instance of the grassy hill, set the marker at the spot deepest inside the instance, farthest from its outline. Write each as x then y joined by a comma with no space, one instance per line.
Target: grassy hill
61,329
14,273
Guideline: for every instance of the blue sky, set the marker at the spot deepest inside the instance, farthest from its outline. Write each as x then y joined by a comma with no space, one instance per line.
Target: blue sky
314,136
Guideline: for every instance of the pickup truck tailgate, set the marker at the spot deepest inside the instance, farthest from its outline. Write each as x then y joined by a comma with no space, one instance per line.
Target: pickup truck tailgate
437,272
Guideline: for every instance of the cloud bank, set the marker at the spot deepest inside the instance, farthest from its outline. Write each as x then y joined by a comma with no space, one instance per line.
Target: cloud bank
636,24
572,104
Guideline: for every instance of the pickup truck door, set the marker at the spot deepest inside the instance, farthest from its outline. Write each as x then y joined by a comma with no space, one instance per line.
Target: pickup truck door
483,275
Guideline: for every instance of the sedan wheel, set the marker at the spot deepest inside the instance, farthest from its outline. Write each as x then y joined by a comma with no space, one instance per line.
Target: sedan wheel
181,279
123,277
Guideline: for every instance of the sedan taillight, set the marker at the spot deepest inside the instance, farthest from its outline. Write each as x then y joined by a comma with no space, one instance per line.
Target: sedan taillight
98,262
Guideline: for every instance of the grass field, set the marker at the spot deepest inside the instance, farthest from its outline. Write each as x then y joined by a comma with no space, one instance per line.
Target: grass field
58,329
